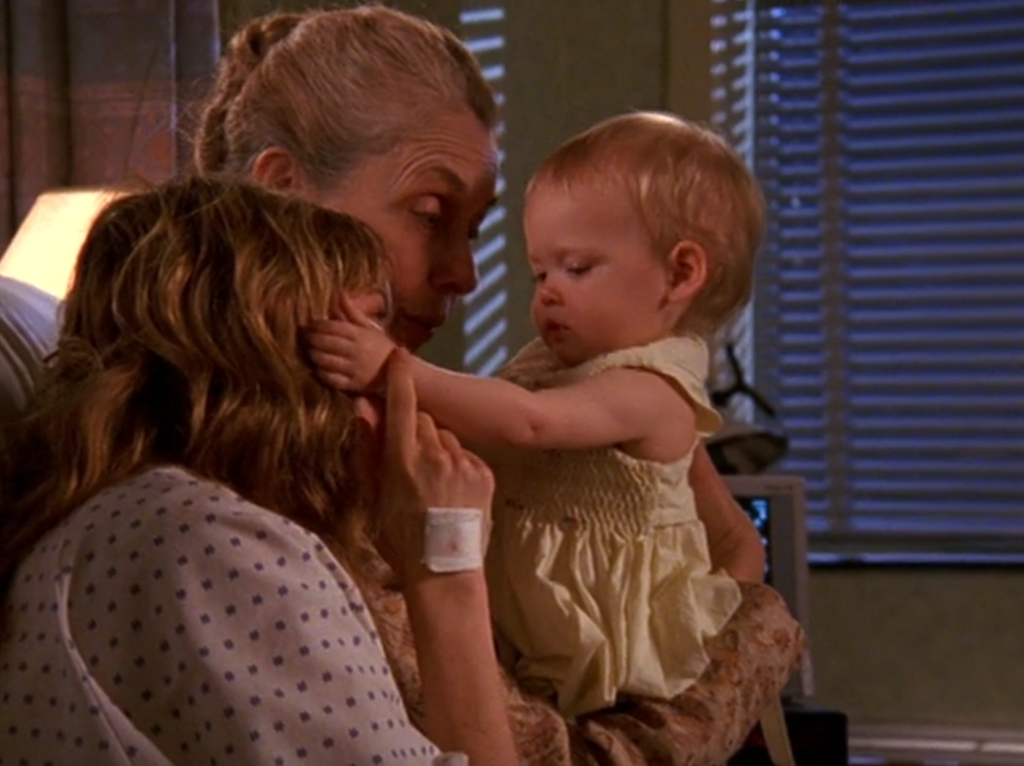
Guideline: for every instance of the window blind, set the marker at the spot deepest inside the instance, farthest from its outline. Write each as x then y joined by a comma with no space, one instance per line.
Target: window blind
732,115
888,319
485,325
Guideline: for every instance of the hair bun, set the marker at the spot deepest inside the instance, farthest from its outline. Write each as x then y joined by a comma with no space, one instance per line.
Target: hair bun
257,38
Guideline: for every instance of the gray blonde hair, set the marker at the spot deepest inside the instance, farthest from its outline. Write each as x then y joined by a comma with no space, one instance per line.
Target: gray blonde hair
332,87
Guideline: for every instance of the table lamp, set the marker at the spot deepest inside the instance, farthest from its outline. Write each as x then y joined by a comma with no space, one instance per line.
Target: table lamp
44,249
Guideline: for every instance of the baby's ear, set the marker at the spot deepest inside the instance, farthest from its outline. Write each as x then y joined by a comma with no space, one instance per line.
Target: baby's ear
687,271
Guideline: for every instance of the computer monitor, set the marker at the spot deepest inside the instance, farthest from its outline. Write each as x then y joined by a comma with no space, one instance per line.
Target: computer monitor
776,505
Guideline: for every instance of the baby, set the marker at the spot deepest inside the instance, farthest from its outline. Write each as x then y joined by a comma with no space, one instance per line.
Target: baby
641,235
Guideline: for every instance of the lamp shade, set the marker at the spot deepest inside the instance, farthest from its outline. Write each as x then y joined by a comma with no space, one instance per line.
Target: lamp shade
44,249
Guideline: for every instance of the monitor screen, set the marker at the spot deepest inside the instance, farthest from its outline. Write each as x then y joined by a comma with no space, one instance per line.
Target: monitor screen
757,509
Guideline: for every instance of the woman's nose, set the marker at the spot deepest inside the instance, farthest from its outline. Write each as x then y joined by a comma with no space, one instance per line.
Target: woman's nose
454,272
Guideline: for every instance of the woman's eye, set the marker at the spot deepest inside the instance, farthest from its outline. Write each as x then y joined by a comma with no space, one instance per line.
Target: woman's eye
429,210
428,218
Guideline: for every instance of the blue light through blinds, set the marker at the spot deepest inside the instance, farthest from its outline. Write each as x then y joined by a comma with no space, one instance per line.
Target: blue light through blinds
486,321
889,309
732,115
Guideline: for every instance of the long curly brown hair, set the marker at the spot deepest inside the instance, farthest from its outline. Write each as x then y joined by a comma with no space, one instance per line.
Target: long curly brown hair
180,344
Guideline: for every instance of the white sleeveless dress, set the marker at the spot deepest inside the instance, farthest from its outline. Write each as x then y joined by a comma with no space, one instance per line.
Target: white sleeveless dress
598,567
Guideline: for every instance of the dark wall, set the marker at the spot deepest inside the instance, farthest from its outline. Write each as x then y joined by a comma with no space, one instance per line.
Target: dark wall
570,64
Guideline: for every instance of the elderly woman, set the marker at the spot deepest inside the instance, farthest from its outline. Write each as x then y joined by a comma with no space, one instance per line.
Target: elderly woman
388,118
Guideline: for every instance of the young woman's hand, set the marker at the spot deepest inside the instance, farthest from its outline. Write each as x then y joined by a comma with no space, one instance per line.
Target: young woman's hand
349,350
423,467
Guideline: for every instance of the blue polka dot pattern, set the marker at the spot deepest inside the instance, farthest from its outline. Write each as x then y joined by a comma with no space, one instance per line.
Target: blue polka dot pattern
168,621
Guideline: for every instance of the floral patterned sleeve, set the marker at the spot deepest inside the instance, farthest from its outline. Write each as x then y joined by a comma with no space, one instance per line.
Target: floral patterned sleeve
752,657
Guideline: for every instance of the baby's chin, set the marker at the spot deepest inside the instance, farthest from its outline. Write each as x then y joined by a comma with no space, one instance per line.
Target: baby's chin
565,353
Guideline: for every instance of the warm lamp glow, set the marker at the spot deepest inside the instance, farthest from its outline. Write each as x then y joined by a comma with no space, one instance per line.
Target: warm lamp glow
45,248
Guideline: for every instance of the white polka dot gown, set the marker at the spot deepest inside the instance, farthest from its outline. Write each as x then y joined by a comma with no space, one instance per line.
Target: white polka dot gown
168,621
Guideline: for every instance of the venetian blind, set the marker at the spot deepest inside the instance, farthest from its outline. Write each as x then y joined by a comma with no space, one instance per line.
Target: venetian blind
732,99
888,320
486,321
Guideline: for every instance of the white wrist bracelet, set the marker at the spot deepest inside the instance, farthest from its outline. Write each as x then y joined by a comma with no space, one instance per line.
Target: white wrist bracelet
453,539
451,759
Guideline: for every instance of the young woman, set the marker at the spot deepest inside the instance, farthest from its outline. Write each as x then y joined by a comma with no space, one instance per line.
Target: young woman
181,532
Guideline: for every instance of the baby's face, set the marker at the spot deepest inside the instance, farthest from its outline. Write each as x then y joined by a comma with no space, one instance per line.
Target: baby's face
598,284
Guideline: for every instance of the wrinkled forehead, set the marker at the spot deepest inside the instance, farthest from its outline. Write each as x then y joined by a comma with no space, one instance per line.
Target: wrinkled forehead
453,147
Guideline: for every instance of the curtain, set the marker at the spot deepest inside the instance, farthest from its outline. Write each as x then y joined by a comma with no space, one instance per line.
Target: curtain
97,91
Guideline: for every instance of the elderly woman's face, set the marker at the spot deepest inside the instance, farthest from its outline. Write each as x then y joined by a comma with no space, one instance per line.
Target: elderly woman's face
426,199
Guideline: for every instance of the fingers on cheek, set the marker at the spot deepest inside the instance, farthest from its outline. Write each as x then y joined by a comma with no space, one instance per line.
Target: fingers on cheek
450,442
423,422
426,433
366,414
467,467
482,470
321,341
440,463
325,361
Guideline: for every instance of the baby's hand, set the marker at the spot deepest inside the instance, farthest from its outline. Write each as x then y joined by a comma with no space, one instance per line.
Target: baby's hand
350,351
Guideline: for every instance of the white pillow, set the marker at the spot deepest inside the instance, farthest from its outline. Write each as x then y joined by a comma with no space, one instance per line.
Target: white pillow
28,333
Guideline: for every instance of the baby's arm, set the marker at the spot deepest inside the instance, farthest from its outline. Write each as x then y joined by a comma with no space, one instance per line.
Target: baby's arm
627,407
734,541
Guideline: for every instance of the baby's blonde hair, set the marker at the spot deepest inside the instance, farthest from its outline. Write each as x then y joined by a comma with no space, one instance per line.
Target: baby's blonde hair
686,183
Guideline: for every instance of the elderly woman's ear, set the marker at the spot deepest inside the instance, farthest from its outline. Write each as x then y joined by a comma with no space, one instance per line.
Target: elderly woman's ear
277,169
